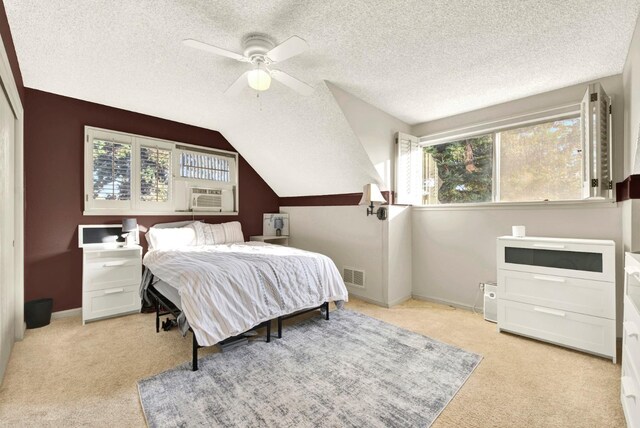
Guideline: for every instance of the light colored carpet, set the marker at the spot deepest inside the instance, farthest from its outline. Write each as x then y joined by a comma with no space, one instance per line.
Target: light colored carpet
67,374
351,371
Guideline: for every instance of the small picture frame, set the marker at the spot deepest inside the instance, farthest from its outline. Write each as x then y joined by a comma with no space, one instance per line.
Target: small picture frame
275,224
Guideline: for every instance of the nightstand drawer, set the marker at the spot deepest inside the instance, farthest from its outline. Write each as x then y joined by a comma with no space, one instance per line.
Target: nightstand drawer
111,301
589,333
583,296
109,273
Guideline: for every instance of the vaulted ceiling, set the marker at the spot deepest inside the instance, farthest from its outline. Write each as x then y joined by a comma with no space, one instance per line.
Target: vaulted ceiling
416,60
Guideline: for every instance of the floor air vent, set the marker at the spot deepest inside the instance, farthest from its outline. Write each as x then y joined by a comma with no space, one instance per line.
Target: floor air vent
353,277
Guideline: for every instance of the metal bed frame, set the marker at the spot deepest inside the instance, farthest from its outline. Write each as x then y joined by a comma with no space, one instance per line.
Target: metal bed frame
173,310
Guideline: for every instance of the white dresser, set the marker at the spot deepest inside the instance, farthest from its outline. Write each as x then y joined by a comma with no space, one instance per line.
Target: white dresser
630,381
559,290
110,282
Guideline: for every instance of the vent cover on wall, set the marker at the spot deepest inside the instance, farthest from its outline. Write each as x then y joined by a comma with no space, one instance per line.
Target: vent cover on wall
353,277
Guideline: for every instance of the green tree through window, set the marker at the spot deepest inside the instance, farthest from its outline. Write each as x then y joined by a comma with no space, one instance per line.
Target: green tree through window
463,171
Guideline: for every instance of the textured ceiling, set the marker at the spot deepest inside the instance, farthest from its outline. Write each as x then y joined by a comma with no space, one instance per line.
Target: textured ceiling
416,60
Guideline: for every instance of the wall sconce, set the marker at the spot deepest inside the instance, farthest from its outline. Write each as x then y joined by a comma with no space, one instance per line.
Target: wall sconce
370,195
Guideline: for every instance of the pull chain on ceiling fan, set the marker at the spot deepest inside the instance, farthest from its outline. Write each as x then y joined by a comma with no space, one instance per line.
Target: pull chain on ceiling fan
260,51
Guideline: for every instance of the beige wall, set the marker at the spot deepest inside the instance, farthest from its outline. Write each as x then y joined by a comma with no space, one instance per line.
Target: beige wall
375,130
631,88
382,249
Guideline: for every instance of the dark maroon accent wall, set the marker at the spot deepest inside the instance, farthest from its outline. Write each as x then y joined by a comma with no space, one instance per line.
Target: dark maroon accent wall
629,188
54,150
7,40
325,200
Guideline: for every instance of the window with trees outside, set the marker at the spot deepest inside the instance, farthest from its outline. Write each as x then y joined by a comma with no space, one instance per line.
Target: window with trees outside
132,174
561,155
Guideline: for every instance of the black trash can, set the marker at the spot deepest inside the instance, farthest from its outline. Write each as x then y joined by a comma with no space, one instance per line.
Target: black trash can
37,313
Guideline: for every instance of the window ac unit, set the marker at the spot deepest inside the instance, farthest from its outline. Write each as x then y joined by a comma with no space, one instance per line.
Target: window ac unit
205,199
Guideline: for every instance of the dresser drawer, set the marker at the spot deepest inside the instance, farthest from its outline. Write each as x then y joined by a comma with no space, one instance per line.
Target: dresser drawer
586,259
584,332
111,301
109,273
631,332
565,293
630,392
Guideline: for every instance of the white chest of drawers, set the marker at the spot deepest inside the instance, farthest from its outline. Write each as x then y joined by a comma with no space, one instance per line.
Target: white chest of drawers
110,281
559,290
630,381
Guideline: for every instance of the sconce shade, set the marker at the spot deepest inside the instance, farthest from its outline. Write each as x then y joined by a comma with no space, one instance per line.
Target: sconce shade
371,194
129,224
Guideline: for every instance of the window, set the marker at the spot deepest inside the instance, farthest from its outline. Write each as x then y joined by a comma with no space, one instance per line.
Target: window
129,174
558,155
111,171
155,172
204,167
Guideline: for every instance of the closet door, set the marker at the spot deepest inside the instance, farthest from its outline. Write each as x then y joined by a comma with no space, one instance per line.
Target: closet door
7,236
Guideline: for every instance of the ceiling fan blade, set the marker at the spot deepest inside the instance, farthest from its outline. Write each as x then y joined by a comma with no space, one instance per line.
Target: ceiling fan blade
290,81
215,50
238,85
293,46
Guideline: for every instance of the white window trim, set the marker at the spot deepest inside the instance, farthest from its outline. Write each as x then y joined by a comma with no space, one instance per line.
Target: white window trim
137,207
500,125
512,122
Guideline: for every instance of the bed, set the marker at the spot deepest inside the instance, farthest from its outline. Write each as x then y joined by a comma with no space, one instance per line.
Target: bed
219,287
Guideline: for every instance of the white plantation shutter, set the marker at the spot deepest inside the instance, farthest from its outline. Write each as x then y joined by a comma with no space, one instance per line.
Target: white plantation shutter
408,183
109,178
155,174
596,138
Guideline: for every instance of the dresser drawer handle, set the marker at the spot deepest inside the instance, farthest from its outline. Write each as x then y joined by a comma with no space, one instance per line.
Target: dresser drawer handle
628,389
114,291
549,311
548,278
116,264
631,329
549,246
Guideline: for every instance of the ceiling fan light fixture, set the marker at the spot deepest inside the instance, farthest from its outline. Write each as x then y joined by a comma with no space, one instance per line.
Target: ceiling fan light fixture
259,79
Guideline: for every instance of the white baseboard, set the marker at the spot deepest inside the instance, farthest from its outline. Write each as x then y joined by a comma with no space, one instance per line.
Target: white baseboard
76,312
375,302
443,302
398,301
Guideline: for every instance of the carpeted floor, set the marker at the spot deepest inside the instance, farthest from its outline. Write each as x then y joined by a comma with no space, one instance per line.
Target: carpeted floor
67,374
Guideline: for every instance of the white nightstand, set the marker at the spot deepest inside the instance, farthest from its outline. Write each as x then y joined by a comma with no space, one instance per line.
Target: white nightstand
110,281
278,240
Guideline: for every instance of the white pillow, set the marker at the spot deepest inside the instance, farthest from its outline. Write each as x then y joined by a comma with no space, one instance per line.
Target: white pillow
169,238
216,234
233,232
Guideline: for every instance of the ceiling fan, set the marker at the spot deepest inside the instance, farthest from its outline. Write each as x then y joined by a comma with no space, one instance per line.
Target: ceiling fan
262,53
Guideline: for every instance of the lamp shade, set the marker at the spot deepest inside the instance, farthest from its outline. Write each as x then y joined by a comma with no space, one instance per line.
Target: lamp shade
371,194
129,224
259,79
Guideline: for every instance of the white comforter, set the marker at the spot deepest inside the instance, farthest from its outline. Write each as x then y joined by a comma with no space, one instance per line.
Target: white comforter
228,289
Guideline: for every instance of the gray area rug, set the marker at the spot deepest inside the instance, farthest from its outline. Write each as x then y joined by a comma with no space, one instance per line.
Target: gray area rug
352,371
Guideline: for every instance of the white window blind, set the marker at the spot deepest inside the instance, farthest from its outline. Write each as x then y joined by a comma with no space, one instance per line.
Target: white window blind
203,166
408,183
155,173
596,137
111,172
